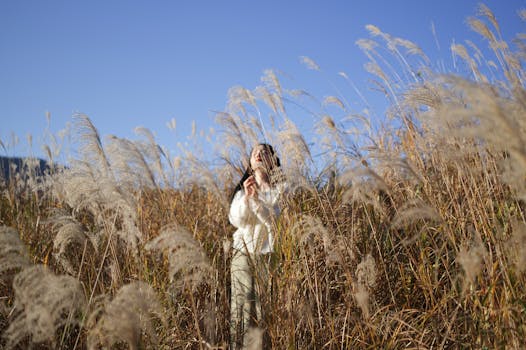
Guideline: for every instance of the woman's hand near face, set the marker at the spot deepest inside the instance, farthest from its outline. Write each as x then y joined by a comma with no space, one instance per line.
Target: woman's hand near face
251,187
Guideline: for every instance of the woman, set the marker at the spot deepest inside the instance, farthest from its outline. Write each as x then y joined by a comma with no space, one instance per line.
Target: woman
254,205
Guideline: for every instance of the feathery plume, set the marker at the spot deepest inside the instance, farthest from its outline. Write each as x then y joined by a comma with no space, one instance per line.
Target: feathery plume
485,11
309,63
254,339
271,81
187,259
412,48
414,211
130,163
423,95
311,233
363,185
293,148
153,151
91,143
310,228
470,258
481,28
172,124
366,45
69,232
44,303
125,318
13,252
373,30
366,272
333,100
366,279
361,296
516,246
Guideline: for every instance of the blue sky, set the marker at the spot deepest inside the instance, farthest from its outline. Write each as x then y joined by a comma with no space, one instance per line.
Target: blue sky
141,63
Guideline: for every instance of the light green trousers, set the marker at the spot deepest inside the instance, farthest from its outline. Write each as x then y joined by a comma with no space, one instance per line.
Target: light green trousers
249,279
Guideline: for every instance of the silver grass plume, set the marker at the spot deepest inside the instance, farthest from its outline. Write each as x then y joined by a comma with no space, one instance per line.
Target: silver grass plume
203,174
363,186
90,184
129,315
334,100
271,99
366,273
91,143
240,133
414,211
233,135
391,44
130,163
461,51
13,252
187,259
311,234
154,152
238,97
294,150
69,232
471,257
425,94
484,113
83,186
365,280
254,339
516,246
309,63
271,81
309,230
44,303
485,11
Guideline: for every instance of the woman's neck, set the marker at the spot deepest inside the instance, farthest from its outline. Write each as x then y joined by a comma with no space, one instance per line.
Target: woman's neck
262,178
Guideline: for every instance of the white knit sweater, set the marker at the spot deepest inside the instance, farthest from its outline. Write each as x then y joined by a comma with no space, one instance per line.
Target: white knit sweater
253,219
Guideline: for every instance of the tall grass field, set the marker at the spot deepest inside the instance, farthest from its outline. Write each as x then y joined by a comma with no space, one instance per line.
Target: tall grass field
405,234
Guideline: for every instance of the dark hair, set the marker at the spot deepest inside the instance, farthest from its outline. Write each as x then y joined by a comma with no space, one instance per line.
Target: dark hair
249,170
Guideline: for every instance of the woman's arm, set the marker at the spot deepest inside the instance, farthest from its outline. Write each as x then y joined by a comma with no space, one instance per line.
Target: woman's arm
264,212
239,211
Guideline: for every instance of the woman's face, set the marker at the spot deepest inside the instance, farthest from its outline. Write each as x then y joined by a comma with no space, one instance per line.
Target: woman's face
261,157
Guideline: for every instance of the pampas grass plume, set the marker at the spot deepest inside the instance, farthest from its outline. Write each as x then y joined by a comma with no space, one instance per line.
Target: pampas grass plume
186,257
44,302
13,253
125,318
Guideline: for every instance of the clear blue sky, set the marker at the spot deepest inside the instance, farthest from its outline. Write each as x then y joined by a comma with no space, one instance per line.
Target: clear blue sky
142,63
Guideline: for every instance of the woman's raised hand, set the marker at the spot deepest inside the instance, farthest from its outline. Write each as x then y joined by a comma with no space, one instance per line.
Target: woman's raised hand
251,187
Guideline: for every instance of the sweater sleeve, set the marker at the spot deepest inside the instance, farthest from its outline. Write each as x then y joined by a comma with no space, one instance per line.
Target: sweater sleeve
239,211
264,212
